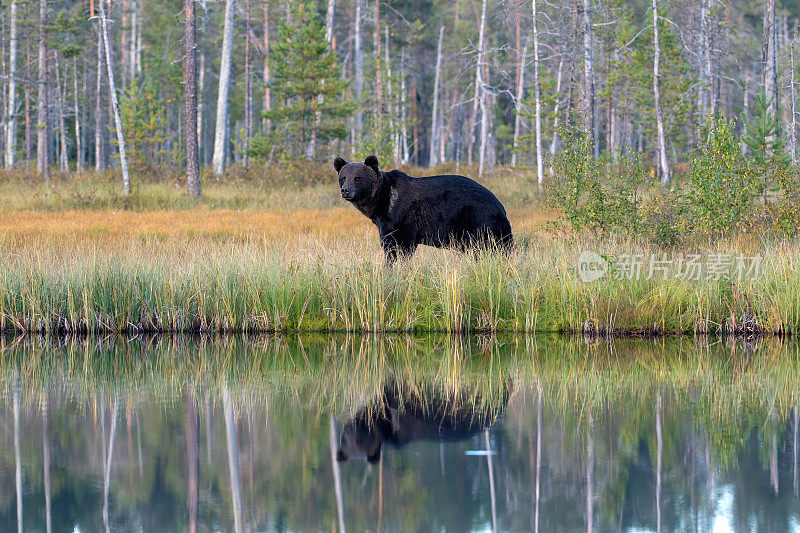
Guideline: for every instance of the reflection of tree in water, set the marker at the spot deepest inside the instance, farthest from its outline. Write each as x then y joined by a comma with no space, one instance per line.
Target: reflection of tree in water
727,418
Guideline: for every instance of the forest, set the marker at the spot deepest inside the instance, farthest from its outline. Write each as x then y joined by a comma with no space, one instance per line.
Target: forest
117,85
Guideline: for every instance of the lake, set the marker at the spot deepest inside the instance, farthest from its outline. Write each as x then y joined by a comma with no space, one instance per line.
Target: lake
446,433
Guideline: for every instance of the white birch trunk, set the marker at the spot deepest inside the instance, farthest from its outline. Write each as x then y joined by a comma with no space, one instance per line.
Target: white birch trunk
403,107
11,114
662,144
435,111
537,98
98,109
518,107
329,21
76,110
793,121
359,73
221,133
588,73
63,162
123,157
555,141
480,91
43,130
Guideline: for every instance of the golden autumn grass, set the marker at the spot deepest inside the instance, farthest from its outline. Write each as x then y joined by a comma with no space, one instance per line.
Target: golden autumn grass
312,263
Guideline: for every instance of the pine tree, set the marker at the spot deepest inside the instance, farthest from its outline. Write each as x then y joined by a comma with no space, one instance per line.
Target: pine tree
305,77
762,134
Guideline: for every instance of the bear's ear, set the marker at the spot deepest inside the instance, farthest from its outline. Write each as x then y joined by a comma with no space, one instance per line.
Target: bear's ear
372,162
338,163
340,456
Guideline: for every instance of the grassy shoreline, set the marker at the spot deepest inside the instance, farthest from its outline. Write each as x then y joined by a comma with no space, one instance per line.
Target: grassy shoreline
317,282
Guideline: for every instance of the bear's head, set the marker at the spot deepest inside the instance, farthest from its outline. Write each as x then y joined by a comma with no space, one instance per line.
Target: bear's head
360,440
359,182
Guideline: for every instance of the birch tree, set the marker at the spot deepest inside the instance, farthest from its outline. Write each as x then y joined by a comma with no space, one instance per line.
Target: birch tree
662,144
479,85
435,110
190,97
123,158
359,75
769,70
221,130
11,114
537,96
588,75
43,130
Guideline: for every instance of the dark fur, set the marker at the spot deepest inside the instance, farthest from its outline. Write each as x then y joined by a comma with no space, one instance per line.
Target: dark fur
441,211
401,420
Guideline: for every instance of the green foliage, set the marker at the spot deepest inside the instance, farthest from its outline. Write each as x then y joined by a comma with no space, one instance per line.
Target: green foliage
144,121
721,186
591,201
769,158
305,77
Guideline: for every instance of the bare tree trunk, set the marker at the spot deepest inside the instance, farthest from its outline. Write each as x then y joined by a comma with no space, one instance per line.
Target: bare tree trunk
662,143
123,157
99,156
769,71
221,133
554,143
11,115
122,48
28,132
43,129
520,95
793,121
378,75
190,98
538,98
76,110
479,86
201,82
588,80
359,75
132,51
435,111
267,100
404,107
63,162
233,458
476,104
337,476
329,15
248,90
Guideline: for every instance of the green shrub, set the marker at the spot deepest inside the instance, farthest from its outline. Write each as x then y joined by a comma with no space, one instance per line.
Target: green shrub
721,187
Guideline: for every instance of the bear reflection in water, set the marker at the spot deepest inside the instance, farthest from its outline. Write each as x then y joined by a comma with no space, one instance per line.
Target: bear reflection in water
400,418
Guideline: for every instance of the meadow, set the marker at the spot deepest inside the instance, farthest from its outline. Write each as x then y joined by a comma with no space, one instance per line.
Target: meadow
271,250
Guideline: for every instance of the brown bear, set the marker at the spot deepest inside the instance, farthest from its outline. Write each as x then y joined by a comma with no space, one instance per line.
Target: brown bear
443,211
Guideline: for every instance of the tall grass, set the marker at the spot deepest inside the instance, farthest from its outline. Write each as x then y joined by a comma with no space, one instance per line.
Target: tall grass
313,283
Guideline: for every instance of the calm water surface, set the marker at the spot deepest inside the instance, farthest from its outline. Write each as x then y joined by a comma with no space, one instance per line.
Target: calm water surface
410,434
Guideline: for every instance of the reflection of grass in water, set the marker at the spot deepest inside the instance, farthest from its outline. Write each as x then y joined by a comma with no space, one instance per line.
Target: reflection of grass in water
343,372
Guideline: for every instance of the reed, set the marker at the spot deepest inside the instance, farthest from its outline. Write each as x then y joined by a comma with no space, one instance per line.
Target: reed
309,282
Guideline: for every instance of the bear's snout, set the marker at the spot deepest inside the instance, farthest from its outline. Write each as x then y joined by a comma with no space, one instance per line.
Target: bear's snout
347,193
